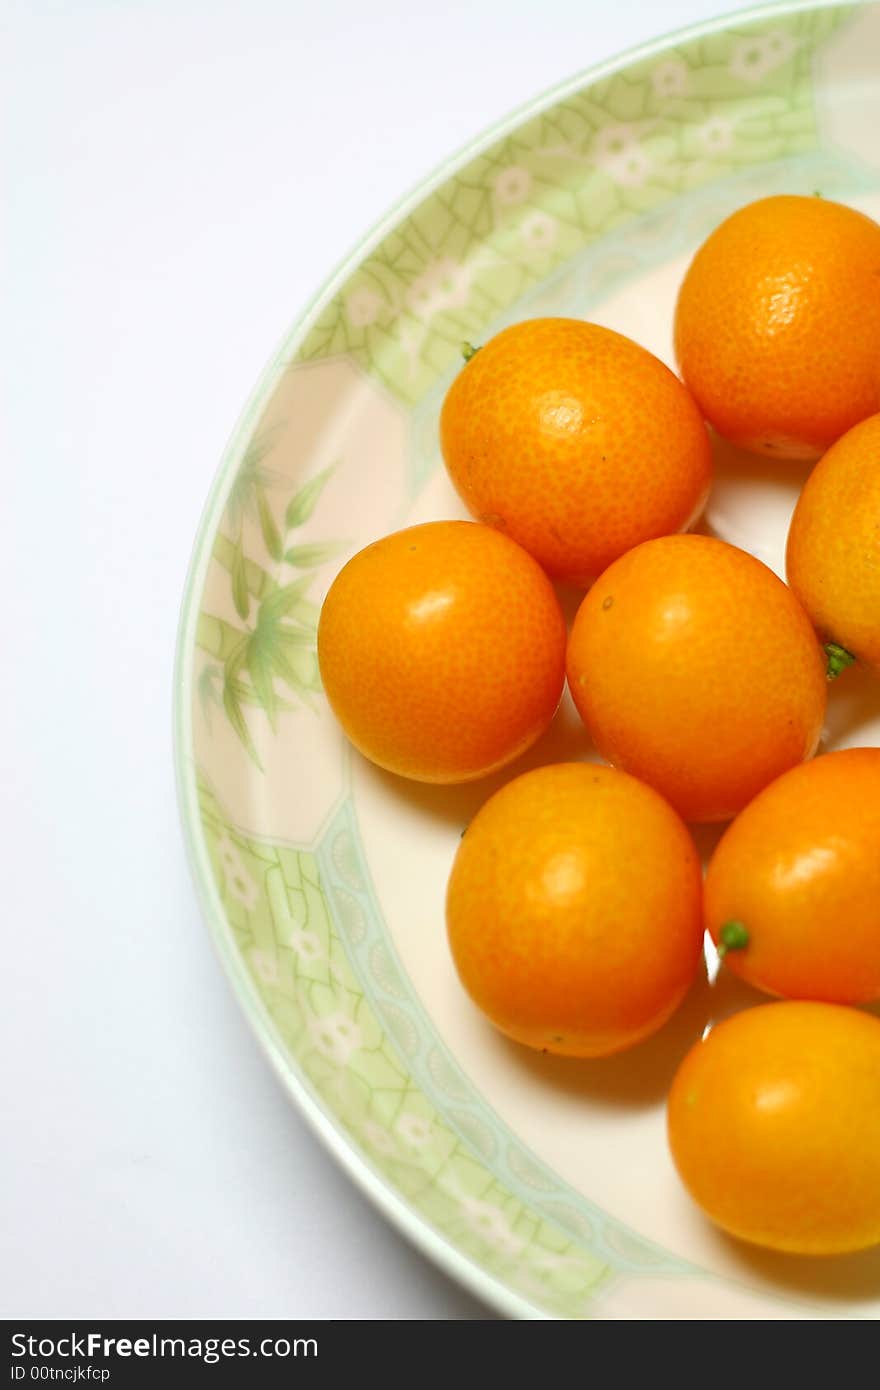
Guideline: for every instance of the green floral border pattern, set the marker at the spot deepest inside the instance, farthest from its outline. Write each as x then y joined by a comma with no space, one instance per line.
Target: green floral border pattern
616,149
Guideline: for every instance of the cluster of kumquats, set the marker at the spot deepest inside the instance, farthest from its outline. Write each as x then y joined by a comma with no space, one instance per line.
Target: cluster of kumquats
576,904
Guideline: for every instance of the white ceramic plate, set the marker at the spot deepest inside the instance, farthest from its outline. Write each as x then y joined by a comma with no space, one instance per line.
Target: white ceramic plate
544,1185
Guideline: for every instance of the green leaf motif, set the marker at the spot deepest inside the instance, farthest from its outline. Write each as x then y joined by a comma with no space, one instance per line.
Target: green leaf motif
208,686
299,669
259,664
296,636
312,555
238,576
303,503
232,706
277,648
246,695
258,581
284,601
270,531
251,477
306,614
217,637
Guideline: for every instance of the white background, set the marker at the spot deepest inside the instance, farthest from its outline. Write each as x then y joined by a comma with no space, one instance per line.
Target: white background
179,178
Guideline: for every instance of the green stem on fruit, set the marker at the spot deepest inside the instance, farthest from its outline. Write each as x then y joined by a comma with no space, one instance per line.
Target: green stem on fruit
468,351
838,660
733,936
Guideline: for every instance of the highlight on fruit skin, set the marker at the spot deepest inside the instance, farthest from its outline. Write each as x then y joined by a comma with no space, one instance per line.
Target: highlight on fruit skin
777,325
574,910
833,553
695,668
793,887
576,442
442,650
773,1123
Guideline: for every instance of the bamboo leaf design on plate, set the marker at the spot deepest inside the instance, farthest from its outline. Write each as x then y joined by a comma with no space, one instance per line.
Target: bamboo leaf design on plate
306,613
277,648
258,581
217,637
259,664
311,555
232,706
296,636
232,701
303,503
208,686
240,596
284,601
297,666
252,477
271,534
277,645
246,695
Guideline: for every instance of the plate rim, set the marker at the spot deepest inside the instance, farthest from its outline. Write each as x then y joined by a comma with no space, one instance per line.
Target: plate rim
457,1266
